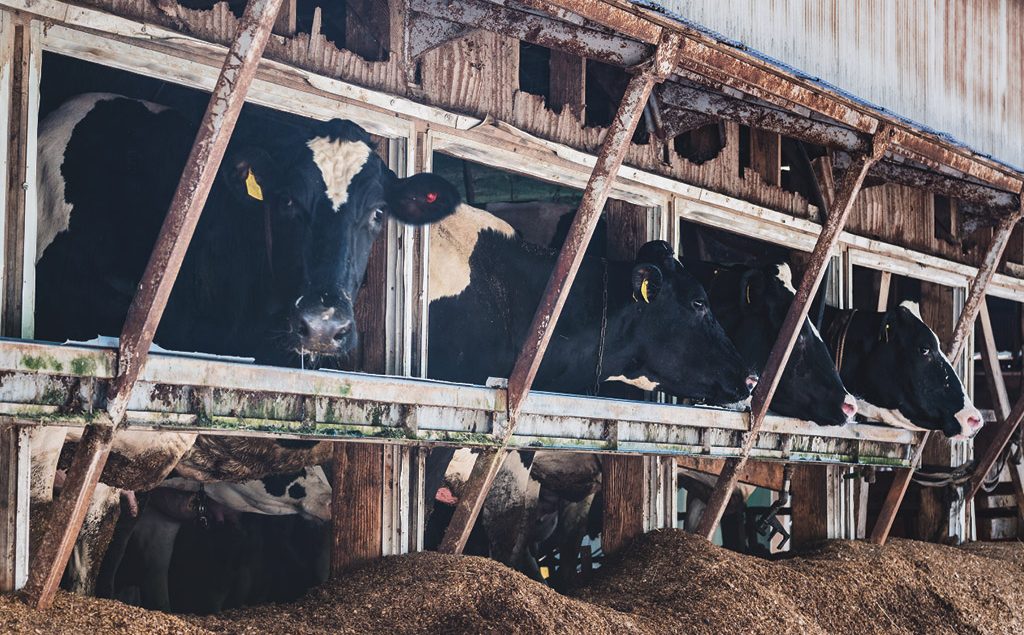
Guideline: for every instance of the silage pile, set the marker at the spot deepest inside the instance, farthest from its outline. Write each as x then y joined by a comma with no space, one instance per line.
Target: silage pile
667,582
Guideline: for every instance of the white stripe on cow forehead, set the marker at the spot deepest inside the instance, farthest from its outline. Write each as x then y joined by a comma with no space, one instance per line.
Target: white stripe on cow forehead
913,307
339,162
785,276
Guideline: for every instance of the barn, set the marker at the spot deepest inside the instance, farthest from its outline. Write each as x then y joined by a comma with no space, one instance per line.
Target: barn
417,268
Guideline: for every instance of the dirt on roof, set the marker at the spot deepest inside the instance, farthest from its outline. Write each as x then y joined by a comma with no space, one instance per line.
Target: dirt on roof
666,582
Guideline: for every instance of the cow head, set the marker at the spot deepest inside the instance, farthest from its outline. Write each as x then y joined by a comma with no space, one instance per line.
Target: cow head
676,344
909,382
752,304
321,199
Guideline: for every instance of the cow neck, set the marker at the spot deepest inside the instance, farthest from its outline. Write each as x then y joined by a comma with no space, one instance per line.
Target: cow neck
836,336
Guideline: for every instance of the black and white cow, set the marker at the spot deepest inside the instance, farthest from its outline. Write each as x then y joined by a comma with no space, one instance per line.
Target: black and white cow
644,324
894,364
272,271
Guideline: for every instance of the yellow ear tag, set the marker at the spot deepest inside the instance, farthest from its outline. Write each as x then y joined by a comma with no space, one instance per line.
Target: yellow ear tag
748,294
643,291
253,188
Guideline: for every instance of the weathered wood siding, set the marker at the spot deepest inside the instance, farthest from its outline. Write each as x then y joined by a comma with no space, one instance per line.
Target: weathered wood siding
954,65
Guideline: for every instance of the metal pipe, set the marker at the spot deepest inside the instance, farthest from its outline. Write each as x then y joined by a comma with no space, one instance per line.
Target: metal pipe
613,150
151,298
846,193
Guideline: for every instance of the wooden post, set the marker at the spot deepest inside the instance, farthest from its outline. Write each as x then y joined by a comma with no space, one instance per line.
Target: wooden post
883,291
902,479
766,155
846,192
356,505
609,160
622,485
19,101
568,83
151,298
15,465
810,504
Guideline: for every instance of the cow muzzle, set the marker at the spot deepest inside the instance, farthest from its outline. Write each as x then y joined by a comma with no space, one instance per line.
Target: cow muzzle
970,421
327,330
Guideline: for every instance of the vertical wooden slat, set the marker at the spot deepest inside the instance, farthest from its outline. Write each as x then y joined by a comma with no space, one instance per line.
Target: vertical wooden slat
810,504
883,291
356,505
846,193
766,155
14,506
568,82
622,486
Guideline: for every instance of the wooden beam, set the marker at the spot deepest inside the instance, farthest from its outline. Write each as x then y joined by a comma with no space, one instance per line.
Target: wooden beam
759,473
990,360
357,510
613,150
766,156
810,504
883,291
975,297
622,480
15,470
151,298
846,193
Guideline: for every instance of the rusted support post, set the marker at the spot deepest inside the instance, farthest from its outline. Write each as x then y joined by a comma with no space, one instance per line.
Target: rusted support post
846,192
998,444
613,150
151,298
965,324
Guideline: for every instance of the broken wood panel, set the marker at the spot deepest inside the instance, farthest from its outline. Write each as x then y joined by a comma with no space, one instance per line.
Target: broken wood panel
627,229
356,505
766,156
622,480
568,82
759,473
367,26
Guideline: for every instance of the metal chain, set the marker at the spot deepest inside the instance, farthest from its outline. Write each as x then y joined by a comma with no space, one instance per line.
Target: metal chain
604,327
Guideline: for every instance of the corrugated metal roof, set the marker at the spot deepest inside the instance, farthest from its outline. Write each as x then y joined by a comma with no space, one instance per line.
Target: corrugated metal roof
996,132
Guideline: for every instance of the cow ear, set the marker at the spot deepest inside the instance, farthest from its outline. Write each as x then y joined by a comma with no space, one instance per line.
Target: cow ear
751,289
247,174
647,280
657,252
421,199
885,329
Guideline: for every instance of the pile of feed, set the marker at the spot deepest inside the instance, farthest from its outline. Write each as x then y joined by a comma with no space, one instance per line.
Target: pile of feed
667,582
428,593
77,615
680,584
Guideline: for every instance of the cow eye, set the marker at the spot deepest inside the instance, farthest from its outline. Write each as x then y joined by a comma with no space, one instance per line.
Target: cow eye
698,304
378,215
924,350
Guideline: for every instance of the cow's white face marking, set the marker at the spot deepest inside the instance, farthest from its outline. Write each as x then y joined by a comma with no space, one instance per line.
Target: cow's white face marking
785,275
252,496
641,382
54,211
452,242
914,308
339,162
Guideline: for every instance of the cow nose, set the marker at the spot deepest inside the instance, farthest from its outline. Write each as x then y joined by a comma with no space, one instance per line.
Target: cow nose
849,406
322,328
751,382
970,422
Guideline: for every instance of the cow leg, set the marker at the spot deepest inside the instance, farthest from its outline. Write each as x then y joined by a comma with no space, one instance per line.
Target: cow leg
507,511
572,526
153,539
694,512
93,540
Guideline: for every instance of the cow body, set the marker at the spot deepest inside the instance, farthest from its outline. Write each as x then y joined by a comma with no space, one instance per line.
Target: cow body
894,364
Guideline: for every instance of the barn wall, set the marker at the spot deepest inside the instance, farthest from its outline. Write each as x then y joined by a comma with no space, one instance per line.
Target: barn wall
955,66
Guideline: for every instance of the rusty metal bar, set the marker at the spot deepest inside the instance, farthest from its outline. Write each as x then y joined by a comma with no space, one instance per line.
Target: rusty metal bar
846,193
609,160
965,324
764,117
151,298
996,447
593,43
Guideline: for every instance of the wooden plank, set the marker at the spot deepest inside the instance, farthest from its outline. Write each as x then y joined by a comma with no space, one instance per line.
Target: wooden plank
759,473
613,150
766,155
883,291
846,192
990,360
568,81
148,305
622,480
356,505
24,54
15,472
810,504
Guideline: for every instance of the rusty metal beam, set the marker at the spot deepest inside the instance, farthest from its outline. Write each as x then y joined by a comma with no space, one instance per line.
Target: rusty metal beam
593,43
997,202
998,444
846,192
609,160
764,117
964,326
151,297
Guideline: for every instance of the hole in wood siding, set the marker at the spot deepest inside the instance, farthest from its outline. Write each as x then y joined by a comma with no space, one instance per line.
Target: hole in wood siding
945,220
744,149
535,69
701,145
